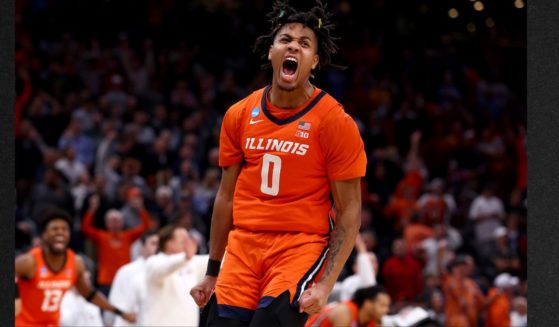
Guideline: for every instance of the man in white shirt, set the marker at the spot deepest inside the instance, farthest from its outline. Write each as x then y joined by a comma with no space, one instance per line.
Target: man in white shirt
170,274
129,285
487,212
365,268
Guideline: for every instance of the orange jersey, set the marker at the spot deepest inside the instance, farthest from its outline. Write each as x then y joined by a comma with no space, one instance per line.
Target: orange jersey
498,313
321,319
113,250
42,294
289,158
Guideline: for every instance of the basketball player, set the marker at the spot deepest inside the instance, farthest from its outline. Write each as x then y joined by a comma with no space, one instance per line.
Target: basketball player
45,273
366,308
286,151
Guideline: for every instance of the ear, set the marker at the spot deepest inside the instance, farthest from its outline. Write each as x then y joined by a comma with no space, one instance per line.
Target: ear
316,60
270,52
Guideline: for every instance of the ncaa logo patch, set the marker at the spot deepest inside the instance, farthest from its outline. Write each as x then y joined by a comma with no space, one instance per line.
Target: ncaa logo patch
255,112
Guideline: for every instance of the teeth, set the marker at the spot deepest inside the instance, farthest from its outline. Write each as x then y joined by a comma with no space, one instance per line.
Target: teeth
291,59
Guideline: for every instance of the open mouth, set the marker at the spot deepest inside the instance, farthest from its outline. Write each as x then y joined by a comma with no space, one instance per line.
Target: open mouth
289,68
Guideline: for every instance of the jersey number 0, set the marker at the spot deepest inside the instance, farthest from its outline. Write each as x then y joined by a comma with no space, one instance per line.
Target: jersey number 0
267,161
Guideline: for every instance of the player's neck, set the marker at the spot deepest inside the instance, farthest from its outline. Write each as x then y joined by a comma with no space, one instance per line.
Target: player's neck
362,317
54,261
290,99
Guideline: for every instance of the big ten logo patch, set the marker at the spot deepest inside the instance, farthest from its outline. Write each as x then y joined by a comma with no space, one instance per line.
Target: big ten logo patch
302,134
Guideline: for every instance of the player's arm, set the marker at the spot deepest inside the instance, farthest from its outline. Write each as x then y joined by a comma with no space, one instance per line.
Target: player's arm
222,223
347,199
222,217
24,268
83,286
88,229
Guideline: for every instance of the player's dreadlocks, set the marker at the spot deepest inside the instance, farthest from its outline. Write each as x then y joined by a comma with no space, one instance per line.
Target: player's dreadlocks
317,19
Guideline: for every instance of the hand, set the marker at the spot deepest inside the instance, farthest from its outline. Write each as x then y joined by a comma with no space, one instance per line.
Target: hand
202,292
94,202
415,137
360,244
314,299
129,316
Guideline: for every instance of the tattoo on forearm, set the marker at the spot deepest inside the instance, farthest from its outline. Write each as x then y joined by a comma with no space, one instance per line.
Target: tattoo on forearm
336,239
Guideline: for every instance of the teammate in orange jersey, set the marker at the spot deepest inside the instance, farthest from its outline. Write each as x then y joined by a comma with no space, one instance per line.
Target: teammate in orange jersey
288,207
45,273
366,308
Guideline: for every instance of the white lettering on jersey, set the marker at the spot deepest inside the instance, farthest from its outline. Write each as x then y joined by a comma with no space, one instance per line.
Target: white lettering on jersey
276,145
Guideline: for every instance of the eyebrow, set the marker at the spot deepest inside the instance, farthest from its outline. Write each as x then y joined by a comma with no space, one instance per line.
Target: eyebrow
304,37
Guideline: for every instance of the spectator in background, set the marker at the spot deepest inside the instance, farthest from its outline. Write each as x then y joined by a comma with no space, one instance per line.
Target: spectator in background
436,307
128,290
401,275
69,166
436,206
503,257
51,191
204,193
519,314
364,267
186,219
443,239
170,274
499,301
106,147
487,213
81,188
367,307
165,207
82,144
130,212
463,300
113,245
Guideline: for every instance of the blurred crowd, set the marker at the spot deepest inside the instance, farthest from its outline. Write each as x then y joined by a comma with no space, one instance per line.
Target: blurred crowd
120,123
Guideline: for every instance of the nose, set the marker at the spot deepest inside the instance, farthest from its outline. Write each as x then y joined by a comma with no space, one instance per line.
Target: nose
293,46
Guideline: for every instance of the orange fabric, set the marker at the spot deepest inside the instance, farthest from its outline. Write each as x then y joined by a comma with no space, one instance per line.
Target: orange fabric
498,313
284,184
261,264
434,211
321,319
400,210
402,277
412,180
416,233
113,250
463,291
42,294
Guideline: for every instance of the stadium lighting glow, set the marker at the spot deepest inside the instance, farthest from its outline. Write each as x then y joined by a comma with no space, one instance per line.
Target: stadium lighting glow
478,5
519,4
471,27
453,13
489,22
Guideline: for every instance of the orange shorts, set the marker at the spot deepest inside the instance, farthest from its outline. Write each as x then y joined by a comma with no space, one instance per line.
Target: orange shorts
259,266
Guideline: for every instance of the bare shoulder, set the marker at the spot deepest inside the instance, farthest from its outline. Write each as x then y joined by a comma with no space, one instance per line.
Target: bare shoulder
340,315
25,265
80,266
